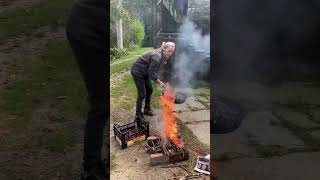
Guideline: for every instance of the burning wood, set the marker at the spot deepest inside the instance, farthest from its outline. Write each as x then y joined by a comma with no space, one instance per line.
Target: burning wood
165,152
170,130
153,145
169,148
175,153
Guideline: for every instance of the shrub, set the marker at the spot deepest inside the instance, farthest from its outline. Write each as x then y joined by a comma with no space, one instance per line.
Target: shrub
116,53
138,32
133,30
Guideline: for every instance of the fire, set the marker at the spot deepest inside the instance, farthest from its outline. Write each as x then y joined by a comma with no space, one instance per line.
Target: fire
169,117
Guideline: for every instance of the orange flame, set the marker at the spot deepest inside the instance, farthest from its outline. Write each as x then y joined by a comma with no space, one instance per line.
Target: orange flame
169,117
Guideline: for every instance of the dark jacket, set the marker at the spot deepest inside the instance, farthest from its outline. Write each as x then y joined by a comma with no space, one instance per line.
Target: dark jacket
165,71
147,64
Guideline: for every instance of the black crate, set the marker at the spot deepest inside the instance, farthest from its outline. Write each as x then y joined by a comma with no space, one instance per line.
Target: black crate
131,133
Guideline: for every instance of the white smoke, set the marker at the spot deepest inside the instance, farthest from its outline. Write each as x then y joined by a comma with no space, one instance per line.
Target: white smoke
194,37
192,48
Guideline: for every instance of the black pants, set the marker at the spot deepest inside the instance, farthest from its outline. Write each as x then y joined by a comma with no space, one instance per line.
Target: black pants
144,89
87,34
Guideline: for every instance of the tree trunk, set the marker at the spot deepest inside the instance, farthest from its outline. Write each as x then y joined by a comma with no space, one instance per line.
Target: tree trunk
119,34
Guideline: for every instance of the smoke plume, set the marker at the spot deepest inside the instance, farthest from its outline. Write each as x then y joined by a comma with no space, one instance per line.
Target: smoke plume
192,60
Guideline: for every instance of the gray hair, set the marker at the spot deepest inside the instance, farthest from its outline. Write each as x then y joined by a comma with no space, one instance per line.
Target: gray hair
167,44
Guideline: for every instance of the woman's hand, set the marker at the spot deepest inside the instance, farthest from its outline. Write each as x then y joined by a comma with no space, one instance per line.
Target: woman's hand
160,83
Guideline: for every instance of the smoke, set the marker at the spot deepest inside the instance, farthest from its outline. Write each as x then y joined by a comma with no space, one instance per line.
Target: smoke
159,124
265,37
192,60
193,36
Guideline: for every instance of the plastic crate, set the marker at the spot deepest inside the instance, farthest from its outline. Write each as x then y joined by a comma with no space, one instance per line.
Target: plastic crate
131,133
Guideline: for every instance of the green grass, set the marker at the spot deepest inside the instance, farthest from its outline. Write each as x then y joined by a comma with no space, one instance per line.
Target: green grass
125,66
6,2
124,94
203,91
56,141
124,59
124,63
133,53
53,76
26,20
155,97
113,164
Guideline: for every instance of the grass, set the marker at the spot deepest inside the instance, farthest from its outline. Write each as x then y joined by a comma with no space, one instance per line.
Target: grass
124,63
6,2
203,92
125,66
56,141
135,51
26,20
113,164
56,75
124,94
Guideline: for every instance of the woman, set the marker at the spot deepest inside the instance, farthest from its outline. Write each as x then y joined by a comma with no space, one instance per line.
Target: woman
145,69
87,33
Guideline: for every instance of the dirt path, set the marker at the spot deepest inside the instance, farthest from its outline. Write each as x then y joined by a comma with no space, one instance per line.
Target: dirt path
117,77
15,53
7,5
23,161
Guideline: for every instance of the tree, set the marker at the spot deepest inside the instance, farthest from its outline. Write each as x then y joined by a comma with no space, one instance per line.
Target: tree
141,10
133,28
